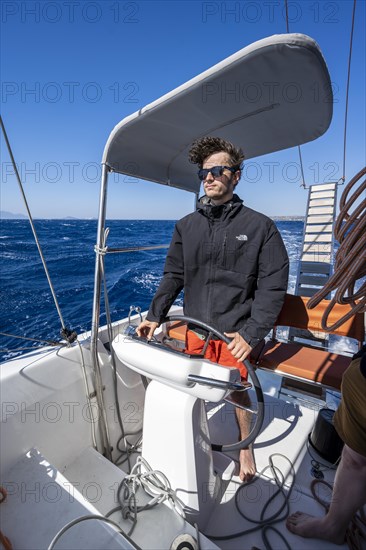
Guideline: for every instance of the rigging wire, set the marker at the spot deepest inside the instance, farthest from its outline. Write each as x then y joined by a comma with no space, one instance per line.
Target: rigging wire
66,333
303,184
287,25
343,177
49,342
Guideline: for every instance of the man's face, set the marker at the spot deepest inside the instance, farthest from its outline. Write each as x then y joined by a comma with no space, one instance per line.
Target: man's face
220,188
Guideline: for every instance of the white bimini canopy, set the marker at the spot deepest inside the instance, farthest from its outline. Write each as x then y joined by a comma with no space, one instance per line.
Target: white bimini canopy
269,96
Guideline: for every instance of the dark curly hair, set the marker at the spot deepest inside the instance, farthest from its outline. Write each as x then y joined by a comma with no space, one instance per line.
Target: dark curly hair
204,147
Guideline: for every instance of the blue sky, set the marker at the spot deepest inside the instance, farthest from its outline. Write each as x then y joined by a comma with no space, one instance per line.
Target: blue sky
71,70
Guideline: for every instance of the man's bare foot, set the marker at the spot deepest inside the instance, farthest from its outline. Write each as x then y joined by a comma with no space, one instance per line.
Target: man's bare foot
308,526
247,464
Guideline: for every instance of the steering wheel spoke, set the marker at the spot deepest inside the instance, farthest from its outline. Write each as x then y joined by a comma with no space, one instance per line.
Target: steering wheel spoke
230,399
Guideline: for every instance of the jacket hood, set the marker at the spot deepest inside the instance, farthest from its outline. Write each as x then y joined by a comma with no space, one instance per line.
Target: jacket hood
210,210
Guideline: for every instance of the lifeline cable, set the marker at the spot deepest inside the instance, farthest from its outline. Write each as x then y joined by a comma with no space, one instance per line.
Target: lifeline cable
67,334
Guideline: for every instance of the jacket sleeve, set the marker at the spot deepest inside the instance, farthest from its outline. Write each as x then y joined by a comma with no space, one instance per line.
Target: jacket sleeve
269,296
172,281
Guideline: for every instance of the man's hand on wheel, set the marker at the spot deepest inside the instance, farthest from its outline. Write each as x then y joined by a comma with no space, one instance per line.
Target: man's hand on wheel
239,348
146,329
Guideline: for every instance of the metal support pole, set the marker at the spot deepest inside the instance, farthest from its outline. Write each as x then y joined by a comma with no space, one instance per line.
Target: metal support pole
96,313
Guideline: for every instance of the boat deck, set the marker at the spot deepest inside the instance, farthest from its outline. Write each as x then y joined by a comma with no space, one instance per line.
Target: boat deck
284,439
88,485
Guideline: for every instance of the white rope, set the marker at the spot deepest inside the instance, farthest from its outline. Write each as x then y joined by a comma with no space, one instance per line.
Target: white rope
155,484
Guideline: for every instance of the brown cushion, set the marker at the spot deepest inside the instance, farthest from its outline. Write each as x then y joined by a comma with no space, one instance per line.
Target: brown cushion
311,364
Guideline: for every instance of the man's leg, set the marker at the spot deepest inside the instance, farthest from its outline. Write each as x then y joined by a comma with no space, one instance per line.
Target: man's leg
349,494
218,352
244,418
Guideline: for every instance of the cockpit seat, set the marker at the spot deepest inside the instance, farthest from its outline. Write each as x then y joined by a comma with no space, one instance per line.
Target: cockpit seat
303,360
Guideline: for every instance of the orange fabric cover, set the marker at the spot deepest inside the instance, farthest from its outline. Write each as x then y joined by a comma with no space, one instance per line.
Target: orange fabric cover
311,364
295,314
217,352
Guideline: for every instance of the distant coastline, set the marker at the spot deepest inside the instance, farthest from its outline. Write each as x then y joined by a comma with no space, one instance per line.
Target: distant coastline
4,215
288,218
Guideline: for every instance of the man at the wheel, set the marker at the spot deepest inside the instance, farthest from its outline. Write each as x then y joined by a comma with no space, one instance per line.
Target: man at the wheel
233,266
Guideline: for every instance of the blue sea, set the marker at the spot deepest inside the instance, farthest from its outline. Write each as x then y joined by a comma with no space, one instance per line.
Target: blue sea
27,307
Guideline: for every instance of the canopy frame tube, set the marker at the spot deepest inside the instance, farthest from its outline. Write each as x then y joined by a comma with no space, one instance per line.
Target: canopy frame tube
102,418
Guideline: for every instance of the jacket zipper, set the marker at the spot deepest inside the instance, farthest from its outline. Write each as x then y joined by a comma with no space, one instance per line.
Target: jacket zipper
224,250
211,273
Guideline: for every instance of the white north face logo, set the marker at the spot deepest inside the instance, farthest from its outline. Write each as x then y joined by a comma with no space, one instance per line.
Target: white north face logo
241,237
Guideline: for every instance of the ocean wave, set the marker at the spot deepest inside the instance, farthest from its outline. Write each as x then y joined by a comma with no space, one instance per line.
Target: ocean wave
148,281
13,256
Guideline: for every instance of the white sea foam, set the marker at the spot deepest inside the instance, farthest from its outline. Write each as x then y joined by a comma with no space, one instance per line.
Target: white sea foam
12,256
148,281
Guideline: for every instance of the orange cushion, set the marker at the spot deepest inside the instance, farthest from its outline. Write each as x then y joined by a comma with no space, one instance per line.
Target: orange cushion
177,330
311,364
294,313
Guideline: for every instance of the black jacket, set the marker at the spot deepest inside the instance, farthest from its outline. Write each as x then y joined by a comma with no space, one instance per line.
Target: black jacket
233,266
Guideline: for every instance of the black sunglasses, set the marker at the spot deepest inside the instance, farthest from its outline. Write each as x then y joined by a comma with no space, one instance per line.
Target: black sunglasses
216,171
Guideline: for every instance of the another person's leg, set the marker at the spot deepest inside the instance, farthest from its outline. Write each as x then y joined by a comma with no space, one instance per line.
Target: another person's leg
349,494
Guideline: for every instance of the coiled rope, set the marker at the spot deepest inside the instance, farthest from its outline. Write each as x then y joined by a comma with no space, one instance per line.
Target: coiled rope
350,262
154,483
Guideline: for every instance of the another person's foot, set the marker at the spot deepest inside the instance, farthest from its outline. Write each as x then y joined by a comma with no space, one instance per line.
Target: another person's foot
308,526
247,464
